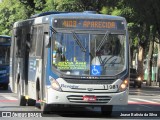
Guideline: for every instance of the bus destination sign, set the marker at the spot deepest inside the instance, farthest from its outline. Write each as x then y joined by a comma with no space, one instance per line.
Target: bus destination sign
88,24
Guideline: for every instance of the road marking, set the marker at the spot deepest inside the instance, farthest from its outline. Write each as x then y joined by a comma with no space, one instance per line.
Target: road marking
10,98
144,100
131,101
156,100
146,106
6,98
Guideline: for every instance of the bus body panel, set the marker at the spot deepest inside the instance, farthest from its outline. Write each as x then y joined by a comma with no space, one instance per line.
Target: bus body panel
72,98
4,74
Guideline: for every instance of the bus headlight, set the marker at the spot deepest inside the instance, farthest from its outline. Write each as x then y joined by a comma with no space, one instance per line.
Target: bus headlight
54,84
123,85
139,79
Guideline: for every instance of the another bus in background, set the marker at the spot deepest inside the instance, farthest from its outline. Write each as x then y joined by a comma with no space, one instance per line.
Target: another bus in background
5,43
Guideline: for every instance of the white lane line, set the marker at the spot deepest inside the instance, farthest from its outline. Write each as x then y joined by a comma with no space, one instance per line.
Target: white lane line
10,98
138,99
131,101
156,100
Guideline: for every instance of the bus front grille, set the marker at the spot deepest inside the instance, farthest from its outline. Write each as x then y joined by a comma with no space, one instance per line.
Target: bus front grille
79,99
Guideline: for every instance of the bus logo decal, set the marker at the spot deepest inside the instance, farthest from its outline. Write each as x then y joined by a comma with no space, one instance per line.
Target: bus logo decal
69,86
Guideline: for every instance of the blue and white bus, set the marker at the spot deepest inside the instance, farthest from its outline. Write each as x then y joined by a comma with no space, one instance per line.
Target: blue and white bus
71,59
5,43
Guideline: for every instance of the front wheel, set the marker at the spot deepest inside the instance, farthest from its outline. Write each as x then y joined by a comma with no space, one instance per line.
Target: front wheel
45,108
139,86
106,110
21,99
5,86
31,102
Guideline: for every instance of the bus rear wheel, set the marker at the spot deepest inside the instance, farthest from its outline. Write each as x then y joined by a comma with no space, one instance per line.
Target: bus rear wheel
106,110
5,87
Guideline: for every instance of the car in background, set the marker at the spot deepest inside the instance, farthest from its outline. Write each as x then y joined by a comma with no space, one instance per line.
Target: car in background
135,79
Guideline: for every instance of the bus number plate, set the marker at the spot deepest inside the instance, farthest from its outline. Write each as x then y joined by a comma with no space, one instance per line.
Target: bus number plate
89,98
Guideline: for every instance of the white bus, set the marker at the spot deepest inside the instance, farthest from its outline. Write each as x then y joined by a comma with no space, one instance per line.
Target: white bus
71,59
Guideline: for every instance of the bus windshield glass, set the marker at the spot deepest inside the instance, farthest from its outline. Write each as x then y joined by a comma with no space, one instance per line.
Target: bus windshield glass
95,54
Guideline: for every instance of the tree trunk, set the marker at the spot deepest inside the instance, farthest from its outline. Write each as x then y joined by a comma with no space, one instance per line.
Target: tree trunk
158,65
150,53
140,62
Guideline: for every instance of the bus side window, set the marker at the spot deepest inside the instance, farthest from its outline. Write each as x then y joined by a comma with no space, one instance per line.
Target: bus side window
39,43
33,41
19,43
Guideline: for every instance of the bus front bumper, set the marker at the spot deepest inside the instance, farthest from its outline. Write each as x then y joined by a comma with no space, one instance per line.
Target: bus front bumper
73,98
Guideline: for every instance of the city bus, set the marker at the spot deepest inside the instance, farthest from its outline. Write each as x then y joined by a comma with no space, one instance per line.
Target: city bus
71,59
5,43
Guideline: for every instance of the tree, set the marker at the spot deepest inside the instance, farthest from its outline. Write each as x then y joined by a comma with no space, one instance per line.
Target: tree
145,15
33,6
10,11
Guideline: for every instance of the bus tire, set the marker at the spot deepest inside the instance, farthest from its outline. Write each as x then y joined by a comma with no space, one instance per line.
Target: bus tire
45,108
5,87
106,110
134,86
21,99
31,102
139,86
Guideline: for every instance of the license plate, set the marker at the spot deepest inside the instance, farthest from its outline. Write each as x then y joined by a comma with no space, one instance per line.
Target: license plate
89,98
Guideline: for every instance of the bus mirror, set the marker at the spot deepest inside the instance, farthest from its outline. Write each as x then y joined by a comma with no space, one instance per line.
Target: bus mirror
47,40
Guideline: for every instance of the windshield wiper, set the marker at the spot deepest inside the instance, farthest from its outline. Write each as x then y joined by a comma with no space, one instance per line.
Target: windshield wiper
103,40
78,42
53,30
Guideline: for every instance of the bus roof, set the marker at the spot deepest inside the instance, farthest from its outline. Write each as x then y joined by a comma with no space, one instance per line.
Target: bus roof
6,36
47,16
88,15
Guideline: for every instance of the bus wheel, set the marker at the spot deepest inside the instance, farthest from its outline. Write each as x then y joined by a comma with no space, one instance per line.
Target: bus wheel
45,108
106,110
21,99
139,86
31,102
5,87
134,86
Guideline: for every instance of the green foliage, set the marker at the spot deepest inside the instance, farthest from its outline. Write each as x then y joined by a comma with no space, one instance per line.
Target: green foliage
137,12
62,5
10,11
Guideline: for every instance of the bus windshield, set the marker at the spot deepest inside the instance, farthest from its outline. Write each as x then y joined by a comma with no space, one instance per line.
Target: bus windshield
95,54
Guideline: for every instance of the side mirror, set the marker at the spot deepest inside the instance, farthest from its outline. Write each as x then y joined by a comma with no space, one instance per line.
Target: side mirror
47,40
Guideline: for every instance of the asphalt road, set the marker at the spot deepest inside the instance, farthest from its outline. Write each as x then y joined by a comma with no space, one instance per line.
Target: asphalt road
143,103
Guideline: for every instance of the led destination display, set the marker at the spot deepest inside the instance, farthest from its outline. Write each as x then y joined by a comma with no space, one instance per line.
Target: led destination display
88,24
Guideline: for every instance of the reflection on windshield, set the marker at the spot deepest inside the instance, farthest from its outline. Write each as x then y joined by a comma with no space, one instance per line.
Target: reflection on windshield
88,54
102,41
4,55
68,56
109,60
78,42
